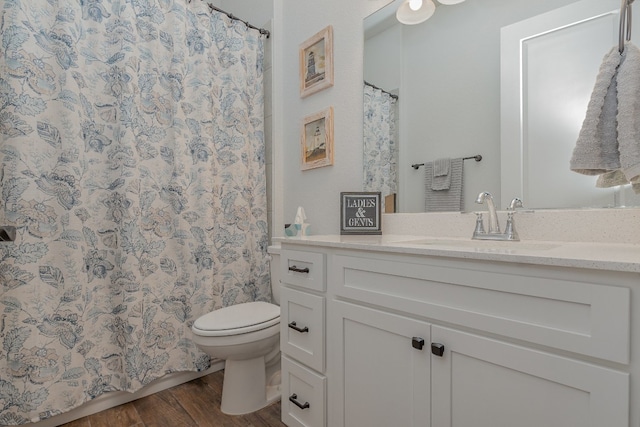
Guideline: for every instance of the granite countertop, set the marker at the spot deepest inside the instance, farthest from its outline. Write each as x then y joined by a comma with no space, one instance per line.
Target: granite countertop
624,257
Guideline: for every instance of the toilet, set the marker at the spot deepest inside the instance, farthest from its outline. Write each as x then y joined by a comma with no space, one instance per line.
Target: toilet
247,337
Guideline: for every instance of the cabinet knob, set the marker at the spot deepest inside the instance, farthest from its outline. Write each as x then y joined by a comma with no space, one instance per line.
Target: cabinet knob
295,327
299,270
294,399
437,349
417,343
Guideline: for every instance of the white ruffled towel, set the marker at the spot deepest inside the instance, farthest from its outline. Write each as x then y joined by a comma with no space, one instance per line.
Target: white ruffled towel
609,141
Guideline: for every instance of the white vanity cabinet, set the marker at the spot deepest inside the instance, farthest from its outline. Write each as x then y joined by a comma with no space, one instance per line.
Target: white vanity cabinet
418,340
513,345
302,338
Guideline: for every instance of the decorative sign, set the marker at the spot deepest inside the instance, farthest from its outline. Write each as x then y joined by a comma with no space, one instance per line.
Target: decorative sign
360,213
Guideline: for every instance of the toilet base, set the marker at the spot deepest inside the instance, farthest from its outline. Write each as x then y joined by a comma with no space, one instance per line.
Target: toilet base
245,388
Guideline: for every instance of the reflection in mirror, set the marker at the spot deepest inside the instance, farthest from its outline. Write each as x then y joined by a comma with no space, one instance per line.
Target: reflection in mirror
380,150
447,73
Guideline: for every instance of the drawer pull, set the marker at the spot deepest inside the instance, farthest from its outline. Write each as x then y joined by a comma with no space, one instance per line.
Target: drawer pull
293,326
299,270
294,399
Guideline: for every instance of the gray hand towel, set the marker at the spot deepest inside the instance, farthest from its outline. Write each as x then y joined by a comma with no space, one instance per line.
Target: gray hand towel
617,177
611,179
629,112
609,141
596,150
441,176
445,200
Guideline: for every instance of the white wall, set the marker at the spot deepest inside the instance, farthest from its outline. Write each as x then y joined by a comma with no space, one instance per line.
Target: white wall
452,69
451,126
294,21
318,190
383,59
256,12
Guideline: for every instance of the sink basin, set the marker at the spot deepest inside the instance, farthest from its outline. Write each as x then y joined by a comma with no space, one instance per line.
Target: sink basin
482,245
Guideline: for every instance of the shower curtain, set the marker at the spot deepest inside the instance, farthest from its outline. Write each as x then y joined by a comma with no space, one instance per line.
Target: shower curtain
132,165
380,142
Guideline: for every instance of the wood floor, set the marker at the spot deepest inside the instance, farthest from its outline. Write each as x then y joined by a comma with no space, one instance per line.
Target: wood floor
196,403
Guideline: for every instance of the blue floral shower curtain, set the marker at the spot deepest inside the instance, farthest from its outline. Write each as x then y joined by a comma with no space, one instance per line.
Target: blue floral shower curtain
132,164
380,142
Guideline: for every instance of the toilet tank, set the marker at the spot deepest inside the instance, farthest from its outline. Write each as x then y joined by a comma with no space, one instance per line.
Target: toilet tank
274,268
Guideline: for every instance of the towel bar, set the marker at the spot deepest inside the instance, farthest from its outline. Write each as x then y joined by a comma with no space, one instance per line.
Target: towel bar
477,158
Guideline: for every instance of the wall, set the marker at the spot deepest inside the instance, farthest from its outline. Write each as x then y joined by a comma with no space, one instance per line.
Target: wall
257,12
318,190
451,67
383,59
293,22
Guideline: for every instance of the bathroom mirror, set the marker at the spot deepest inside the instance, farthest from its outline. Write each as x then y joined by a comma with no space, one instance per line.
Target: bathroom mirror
447,74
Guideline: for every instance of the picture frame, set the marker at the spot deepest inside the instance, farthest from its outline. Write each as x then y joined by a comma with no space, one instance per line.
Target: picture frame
316,62
316,142
360,213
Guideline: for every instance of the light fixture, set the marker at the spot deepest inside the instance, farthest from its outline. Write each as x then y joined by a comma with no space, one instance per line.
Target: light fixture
449,2
415,4
413,12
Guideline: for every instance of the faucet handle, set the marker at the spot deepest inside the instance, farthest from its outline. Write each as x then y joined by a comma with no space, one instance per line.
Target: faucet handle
479,224
515,203
510,232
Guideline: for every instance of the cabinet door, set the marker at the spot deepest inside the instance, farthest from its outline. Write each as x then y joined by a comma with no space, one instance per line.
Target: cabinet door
482,382
381,373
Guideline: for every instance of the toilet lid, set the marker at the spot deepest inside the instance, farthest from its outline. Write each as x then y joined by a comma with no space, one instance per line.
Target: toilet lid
239,319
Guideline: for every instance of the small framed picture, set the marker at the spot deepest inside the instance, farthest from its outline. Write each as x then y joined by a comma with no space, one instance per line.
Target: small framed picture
316,146
360,213
316,63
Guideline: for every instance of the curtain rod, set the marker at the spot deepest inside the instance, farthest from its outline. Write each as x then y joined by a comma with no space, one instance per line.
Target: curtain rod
376,87
262,31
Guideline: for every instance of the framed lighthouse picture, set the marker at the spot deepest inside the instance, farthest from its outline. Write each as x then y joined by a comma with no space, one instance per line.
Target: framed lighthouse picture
316,62
316,145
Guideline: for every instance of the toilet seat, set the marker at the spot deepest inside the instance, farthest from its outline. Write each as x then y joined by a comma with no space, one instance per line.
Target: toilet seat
238,319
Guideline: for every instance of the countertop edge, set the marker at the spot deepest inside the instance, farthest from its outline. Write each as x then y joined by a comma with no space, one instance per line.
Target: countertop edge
596,256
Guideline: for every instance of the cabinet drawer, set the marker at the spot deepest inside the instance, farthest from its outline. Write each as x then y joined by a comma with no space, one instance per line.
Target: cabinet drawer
304,269
302,327
560,308
303,396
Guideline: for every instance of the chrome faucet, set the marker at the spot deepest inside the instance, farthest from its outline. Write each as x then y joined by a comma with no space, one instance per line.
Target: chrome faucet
494,232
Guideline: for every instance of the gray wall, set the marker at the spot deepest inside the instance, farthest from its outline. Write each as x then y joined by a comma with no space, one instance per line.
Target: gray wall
318,190
450,90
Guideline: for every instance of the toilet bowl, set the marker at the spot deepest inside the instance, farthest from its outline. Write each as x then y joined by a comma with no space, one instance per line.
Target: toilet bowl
247,337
